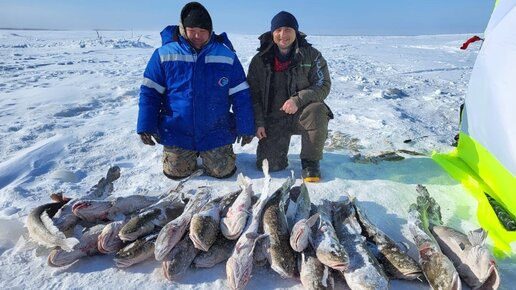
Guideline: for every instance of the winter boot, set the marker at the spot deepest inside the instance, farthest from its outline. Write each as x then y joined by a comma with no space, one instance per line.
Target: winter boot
311,171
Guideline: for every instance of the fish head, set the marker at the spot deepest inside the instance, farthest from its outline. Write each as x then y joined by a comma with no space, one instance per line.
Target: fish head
238,271
133,230
332,255
493,280
108,240
232,226
90,210
203,231
170,235
396,262
123,263
299,236
61,258
439,270
481,266
126,256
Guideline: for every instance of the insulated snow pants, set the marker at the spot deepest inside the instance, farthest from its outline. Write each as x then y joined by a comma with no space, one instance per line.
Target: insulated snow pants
311,122
179,163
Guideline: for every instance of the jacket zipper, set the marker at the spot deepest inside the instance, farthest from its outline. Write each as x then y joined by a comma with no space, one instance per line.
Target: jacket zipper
194,55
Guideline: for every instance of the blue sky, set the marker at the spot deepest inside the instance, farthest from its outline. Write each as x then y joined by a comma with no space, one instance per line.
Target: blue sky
324,17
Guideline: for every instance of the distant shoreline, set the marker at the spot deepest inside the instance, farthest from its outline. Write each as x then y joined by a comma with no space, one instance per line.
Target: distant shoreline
239,33
60,29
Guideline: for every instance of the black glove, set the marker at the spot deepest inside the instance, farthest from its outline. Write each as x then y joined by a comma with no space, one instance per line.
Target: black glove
243,140
147,139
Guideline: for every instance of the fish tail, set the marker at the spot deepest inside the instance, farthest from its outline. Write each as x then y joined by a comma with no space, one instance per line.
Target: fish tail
266,180
69,244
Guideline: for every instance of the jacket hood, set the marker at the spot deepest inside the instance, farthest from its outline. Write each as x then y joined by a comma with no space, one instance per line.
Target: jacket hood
171,33
184,12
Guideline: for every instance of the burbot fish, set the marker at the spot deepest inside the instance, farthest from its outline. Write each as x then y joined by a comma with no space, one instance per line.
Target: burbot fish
156,215
395,260
174,230
437,268
240,265
471,258
93,210
43,231
326,243
177,261
364,272
235,220
281,256
302,233
219,252
169,207
204,226
136,252
314,274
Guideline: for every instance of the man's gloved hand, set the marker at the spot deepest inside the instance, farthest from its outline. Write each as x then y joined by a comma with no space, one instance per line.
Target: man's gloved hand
243,140
147,139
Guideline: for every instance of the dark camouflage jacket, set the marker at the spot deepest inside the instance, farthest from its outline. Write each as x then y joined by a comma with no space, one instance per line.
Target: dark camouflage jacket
308,75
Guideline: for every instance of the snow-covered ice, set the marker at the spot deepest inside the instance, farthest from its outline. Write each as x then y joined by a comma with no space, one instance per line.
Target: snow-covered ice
68,111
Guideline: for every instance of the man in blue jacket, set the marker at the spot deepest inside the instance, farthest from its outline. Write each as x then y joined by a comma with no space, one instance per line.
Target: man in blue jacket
195,99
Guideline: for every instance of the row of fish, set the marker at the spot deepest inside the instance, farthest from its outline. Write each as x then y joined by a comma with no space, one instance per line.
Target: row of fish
281,228
446,255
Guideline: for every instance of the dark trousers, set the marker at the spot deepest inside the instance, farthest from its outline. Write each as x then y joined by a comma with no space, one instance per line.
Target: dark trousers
311,122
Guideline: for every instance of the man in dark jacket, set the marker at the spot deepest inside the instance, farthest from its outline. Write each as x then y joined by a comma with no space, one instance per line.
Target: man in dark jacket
194,99
289,81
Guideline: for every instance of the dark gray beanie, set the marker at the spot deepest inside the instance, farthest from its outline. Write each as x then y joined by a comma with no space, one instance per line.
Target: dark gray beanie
284,19
195,15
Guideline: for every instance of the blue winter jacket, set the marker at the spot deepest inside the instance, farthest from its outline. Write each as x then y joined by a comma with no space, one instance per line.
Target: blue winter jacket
195,100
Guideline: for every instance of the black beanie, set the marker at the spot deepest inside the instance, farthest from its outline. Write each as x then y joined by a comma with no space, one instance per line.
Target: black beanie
198,17
284,19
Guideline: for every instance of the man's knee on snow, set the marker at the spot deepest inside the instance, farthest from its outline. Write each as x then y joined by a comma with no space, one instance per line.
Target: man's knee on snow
219,162
178,163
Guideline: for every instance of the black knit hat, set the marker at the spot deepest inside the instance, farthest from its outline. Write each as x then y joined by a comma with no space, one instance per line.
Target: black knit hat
195,15
284,19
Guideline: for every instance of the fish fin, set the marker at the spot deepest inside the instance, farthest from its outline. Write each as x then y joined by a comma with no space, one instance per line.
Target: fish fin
239,247
312,220
49,224
241,179
245,180
256,238
477,237
265,167
69,244
57,196
251,236
179,187
324,278
266,180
